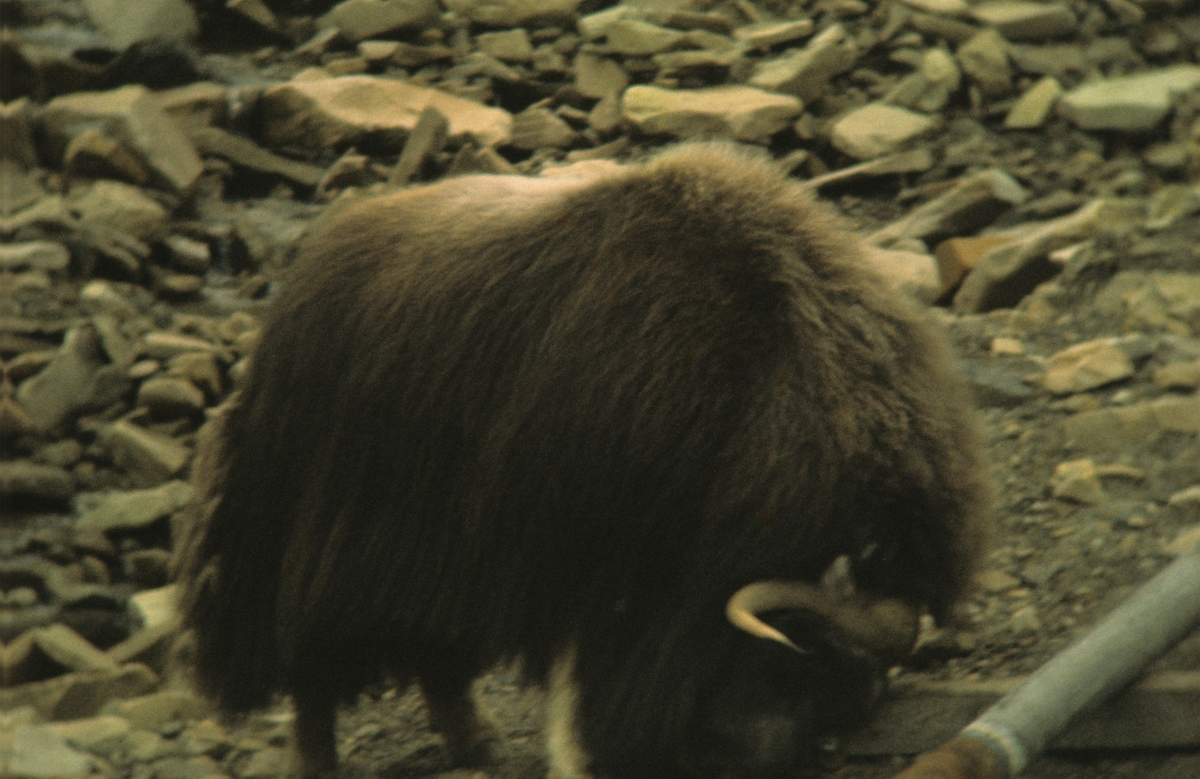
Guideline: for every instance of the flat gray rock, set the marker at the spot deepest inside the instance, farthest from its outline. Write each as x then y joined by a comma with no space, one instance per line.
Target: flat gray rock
1130,103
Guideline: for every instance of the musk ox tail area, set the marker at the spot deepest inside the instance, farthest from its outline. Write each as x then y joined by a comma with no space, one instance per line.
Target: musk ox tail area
501,417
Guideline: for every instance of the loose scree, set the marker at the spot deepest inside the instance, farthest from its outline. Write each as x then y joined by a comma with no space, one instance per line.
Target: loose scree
615,426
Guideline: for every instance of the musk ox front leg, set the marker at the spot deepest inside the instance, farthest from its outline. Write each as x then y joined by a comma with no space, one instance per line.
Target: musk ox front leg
470,738
314,742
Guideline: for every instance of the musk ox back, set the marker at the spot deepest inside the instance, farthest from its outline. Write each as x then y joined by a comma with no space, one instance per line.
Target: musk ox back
614,426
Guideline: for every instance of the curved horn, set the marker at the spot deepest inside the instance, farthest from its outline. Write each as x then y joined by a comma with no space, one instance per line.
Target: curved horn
885,626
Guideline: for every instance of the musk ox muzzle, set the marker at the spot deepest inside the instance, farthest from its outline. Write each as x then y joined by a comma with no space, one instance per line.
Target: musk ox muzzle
613,426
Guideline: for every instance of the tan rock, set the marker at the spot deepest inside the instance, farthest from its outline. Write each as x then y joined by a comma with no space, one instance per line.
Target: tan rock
598,77
635,38
764,35
956,256
506,45
1026,20
1178,375
1086,366
514,13
361,19
1077,481
125,208
971,204
49,256
984,58
990,283
133,116
147,454
877,129
741,112
329,112
125,23
805,72
1034,106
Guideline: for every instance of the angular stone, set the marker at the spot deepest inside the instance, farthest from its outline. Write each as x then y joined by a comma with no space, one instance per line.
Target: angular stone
37,752
16,135
913,161
1185,497
95,154
943,7
67,648
82,694
1034,106
426,140
149,712
135,508
48,256
145,453
984,58
971,204
133,116
160,345
199,104
1026,20
1077,481
537,128
678,63
102,297
507,45
78,378
37,481
990,283
361,19
125,23
598,77
1168,301
594,25
805,72
1086,366
636,38
514,13
956,256
248,154
349,110
266,764
188,254
170,397
1130,103
877,129
764,35
1178,375
256,11
90,732
992,386
741,112
156,608
124,208
1114,429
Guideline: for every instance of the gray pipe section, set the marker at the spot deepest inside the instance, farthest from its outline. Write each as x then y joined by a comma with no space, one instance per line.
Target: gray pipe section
1101,662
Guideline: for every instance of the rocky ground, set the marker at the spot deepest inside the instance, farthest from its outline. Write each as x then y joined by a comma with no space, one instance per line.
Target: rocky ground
1026,168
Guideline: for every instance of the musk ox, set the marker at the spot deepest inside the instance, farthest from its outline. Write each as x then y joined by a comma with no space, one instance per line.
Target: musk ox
616,427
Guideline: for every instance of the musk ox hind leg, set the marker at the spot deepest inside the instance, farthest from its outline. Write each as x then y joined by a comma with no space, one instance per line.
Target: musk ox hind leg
472,740
314,743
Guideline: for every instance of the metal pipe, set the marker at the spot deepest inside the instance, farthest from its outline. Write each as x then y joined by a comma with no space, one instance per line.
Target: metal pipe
1002,741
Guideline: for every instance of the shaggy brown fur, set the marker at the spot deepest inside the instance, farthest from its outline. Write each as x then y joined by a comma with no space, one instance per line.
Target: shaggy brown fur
549,419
